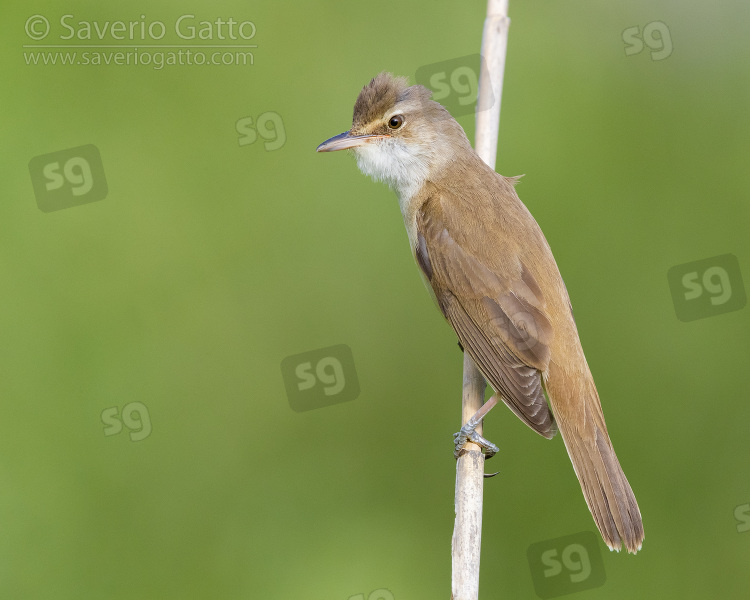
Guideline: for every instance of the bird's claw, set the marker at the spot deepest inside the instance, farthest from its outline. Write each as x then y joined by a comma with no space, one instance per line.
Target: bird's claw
469,434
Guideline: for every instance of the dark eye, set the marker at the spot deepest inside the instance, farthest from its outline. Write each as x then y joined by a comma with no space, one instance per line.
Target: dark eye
396,121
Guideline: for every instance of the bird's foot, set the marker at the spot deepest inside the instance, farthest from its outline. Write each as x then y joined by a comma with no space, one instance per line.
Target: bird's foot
468,434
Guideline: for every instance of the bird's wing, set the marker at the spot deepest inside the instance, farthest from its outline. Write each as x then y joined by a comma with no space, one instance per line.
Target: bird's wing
497,311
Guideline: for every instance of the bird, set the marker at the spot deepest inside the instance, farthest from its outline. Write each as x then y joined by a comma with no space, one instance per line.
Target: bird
491,272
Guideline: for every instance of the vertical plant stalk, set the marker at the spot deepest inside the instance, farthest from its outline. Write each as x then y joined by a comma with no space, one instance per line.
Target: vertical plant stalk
467,531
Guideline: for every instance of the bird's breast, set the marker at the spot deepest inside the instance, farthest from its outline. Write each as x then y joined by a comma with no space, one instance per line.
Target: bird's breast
409,207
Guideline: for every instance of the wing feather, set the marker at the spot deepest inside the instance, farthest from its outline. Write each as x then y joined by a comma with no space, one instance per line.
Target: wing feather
497,314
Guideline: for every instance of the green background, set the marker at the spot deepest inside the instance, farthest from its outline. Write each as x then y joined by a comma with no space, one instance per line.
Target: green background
210,262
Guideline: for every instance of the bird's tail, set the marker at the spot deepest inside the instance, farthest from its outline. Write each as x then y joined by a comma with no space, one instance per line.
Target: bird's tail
608,494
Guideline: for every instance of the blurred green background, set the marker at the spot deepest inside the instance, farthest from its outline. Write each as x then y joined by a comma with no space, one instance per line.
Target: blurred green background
210,261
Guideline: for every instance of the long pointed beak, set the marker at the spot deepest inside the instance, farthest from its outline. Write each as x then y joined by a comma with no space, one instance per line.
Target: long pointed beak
346,140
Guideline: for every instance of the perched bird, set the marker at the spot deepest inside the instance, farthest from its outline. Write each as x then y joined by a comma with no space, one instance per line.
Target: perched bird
493,276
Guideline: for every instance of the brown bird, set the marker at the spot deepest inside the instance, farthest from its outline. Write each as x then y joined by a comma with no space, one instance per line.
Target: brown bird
493,276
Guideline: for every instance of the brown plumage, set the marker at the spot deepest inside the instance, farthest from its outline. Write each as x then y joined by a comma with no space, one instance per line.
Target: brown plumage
493,276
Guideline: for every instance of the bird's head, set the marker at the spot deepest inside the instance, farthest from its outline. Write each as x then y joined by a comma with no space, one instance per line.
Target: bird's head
399,135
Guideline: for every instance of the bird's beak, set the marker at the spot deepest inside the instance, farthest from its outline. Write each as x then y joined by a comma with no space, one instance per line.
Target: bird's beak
346,140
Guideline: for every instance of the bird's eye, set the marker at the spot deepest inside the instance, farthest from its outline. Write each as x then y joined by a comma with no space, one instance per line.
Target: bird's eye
396,121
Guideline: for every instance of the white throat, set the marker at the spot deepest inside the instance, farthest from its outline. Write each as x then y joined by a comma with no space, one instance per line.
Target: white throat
403,167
